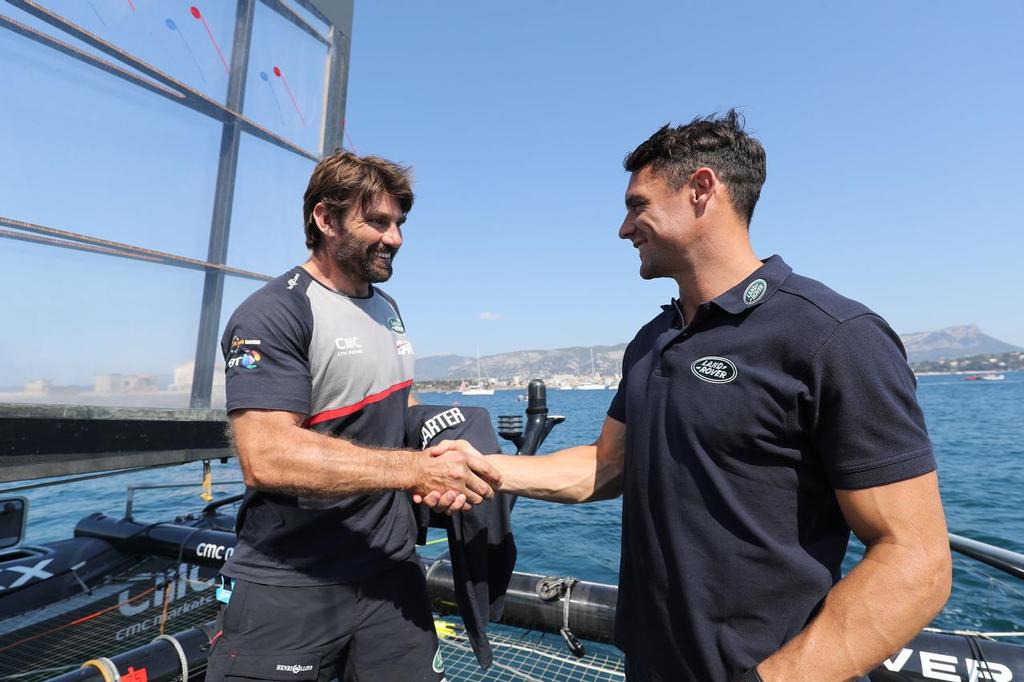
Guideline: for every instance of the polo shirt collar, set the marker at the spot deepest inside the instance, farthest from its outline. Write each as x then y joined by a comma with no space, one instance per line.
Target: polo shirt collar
757,288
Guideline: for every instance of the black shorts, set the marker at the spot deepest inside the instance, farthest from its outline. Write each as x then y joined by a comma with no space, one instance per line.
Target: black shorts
380,629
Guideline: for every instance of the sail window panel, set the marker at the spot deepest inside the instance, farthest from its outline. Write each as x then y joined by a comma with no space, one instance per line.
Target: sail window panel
92,329
308,16
285,84
190,42
266,216
93,154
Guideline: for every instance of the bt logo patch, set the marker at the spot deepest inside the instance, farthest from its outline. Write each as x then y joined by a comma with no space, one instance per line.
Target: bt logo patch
250,359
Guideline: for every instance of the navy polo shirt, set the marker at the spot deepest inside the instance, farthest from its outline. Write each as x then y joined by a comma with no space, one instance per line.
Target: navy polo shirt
739,427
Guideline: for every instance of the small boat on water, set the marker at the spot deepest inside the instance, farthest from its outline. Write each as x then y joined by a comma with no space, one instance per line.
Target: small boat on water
985,377
591,386
479,388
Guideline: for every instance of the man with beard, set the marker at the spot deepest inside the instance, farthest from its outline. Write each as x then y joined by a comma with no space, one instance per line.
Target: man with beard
324,581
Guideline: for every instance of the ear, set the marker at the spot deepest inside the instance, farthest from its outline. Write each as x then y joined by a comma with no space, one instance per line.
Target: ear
703,184
324,219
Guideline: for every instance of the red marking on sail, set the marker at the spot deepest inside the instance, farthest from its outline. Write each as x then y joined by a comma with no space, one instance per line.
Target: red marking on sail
349,409
131,4
277,72
199,15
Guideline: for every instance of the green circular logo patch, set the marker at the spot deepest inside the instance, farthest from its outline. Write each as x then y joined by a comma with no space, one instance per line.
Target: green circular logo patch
754,291
396,325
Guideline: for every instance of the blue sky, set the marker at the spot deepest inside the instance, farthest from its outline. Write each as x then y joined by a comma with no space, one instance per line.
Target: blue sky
892,132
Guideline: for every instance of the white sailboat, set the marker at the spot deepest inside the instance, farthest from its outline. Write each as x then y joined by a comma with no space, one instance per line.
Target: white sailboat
590,386
479,388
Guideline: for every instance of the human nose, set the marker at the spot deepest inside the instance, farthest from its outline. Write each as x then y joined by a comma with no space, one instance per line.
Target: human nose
626,229
392,236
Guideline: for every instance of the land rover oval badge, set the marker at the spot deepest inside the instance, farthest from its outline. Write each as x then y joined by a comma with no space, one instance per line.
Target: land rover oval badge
714,369
754,291
396,325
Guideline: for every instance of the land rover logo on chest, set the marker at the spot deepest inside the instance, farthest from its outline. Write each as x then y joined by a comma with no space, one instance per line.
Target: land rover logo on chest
754,291
396,325
714,370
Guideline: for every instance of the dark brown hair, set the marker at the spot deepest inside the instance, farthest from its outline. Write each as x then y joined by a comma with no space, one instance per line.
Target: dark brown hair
343,178
720,144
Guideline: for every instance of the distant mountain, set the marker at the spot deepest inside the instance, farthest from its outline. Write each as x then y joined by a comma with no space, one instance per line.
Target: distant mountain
433,367
949,343
524,363
952,342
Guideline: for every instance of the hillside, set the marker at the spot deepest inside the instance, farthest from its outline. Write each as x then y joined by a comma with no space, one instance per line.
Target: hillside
952,342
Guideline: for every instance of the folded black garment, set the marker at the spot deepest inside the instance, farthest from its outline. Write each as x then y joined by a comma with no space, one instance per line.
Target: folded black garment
480,543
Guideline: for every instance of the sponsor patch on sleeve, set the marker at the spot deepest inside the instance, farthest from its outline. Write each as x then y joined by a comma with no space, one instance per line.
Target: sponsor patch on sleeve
243,355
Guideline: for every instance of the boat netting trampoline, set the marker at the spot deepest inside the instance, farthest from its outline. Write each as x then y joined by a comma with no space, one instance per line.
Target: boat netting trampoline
132,607
526,656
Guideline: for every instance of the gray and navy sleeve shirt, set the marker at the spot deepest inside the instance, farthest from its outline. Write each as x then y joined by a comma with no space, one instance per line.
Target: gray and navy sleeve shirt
343,363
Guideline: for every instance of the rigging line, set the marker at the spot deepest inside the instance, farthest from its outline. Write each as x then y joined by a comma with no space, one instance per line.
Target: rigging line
75,240
78,621
351,144
157,81
88,477
37,671
993,582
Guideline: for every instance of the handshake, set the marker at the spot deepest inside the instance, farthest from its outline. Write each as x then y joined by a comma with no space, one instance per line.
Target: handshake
453,476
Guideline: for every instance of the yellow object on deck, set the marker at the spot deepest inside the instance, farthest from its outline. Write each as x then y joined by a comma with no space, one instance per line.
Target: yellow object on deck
207,494
444,629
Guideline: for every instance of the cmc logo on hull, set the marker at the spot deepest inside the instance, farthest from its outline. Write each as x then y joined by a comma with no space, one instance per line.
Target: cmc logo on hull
209,550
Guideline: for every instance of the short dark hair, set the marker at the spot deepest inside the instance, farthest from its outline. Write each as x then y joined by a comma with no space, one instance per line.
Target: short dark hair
716,143
343,178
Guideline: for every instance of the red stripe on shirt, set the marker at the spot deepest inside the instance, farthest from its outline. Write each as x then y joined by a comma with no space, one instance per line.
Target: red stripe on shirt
349,409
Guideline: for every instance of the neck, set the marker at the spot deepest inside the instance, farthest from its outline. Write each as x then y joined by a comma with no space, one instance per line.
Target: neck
714,265
324,268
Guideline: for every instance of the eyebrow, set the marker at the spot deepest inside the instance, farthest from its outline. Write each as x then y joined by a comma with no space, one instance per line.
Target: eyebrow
382,216
635,200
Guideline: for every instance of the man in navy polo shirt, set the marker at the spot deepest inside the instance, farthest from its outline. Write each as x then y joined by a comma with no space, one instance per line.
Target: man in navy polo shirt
760,418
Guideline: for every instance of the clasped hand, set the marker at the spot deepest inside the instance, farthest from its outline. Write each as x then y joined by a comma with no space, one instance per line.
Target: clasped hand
455,476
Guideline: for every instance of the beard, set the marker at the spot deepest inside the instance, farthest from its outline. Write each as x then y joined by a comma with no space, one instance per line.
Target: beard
363,261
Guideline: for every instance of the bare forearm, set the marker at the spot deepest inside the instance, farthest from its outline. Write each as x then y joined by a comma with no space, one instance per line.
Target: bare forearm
571,475
307,463
883,602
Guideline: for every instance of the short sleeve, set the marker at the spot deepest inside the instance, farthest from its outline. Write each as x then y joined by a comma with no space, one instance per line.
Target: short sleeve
266,354
617,409
865,422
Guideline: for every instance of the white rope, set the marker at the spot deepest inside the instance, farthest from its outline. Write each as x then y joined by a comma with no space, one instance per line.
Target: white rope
181,653
106,667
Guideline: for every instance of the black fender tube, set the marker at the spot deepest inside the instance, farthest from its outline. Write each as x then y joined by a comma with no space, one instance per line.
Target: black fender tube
159,661
591,605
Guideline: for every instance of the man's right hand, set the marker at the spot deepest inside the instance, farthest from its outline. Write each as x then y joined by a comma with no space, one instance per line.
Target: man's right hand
453,477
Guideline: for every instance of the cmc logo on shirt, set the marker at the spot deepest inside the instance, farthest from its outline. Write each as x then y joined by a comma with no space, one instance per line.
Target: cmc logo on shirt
348,345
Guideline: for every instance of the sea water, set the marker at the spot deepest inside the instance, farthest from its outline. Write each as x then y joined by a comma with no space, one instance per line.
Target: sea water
977,428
